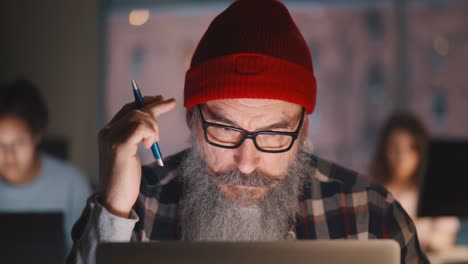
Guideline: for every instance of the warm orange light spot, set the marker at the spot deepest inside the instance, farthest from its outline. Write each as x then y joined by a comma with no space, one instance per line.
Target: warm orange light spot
138,17
441,45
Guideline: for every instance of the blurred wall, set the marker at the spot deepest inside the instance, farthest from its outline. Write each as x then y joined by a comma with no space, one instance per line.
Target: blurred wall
55,43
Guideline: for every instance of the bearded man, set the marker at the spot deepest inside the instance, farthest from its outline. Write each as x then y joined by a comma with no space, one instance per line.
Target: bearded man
248,175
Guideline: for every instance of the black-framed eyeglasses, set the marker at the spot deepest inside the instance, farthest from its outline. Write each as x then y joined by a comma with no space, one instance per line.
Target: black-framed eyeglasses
230,137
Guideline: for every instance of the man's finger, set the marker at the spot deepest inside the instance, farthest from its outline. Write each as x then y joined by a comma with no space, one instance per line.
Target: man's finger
141,116
147,100
157,108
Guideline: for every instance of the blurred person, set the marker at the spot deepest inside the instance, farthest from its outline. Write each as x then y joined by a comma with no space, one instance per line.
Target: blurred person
398,164
248,175
32,181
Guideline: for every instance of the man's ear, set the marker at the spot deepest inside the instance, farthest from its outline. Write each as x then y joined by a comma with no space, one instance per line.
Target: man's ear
305,125
188,117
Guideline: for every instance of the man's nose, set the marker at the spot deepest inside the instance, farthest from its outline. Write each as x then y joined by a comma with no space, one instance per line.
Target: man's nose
247,157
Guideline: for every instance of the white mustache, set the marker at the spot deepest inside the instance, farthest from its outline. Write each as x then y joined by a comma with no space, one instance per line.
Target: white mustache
254,179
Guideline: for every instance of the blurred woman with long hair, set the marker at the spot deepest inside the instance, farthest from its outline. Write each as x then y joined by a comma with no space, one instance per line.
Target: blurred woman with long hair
398,165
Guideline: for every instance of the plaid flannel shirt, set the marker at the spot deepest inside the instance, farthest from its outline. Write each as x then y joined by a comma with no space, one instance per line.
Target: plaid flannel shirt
336,203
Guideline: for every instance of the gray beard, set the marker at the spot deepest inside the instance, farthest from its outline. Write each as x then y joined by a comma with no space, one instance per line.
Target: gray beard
206,213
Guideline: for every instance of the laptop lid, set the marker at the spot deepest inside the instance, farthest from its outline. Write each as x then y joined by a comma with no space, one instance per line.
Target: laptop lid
445,179
298,252
32,238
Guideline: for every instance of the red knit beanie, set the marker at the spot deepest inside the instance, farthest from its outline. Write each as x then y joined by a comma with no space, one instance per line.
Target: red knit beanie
252,50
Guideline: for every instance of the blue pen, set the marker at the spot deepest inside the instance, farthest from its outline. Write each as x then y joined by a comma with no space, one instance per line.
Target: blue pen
139,101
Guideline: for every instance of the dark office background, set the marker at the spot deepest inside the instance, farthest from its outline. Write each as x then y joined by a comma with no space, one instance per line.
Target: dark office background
370,57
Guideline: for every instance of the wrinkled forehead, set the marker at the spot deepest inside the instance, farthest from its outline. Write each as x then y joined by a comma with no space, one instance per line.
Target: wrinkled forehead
253,113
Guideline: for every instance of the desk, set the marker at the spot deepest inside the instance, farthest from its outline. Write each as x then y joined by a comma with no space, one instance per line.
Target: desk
458,254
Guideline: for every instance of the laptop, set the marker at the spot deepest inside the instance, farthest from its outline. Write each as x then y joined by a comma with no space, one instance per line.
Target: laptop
444,186
298,252
32,238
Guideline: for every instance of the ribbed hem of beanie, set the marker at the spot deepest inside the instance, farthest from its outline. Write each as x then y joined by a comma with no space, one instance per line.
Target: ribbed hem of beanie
250,75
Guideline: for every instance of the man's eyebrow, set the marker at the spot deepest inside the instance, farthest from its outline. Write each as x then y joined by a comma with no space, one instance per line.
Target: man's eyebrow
283,124
217,117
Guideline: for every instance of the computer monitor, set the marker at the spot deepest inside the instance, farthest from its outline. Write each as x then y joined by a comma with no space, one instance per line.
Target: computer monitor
444,188
298,252
32,238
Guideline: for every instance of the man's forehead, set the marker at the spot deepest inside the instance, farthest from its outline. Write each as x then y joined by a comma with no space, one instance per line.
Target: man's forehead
259,105
269,110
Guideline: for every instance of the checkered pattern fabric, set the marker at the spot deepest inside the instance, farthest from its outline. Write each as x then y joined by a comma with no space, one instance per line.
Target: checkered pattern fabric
336,204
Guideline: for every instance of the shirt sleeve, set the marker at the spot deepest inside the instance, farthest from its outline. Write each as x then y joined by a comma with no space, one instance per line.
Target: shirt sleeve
95,225
80,190
398,225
